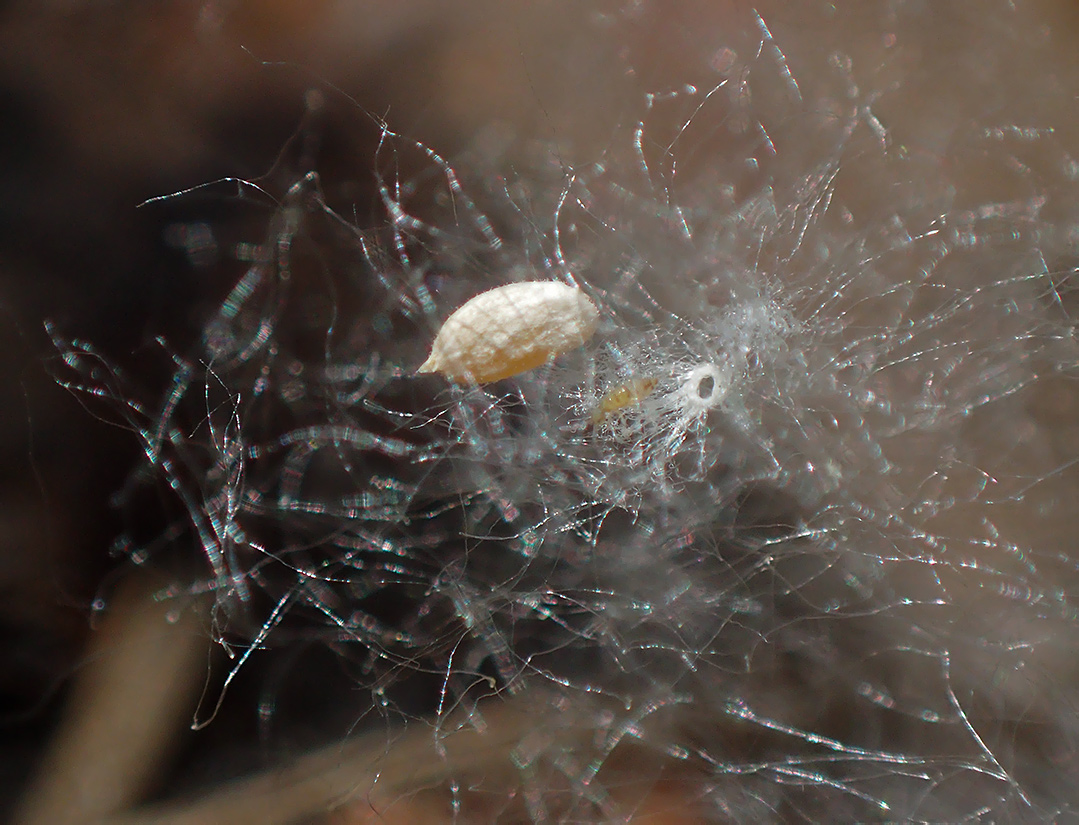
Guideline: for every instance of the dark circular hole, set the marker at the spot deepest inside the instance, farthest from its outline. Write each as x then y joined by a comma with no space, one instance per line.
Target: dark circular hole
706,387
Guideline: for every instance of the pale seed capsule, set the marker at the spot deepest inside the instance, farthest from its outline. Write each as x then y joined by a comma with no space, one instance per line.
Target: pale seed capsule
510,329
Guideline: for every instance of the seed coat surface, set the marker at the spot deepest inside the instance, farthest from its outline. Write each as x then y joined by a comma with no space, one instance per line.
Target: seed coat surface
511,329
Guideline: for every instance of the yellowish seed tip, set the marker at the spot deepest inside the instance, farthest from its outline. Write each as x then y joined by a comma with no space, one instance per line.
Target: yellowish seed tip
430,365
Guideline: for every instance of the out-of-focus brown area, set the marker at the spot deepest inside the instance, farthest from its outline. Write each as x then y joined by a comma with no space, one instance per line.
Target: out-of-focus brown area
134,689
106,104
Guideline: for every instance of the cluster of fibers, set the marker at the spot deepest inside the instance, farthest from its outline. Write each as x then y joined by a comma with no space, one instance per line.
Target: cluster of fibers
795,510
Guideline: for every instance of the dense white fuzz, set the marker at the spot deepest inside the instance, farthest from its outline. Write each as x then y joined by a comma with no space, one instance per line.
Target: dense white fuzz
510,329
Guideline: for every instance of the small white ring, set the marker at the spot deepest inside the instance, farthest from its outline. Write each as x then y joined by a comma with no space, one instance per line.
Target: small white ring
703,388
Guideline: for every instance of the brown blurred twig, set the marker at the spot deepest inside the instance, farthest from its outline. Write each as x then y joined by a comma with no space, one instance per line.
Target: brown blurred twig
129,704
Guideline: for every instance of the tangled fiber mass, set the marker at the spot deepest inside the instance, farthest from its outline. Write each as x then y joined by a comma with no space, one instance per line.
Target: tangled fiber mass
794,526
